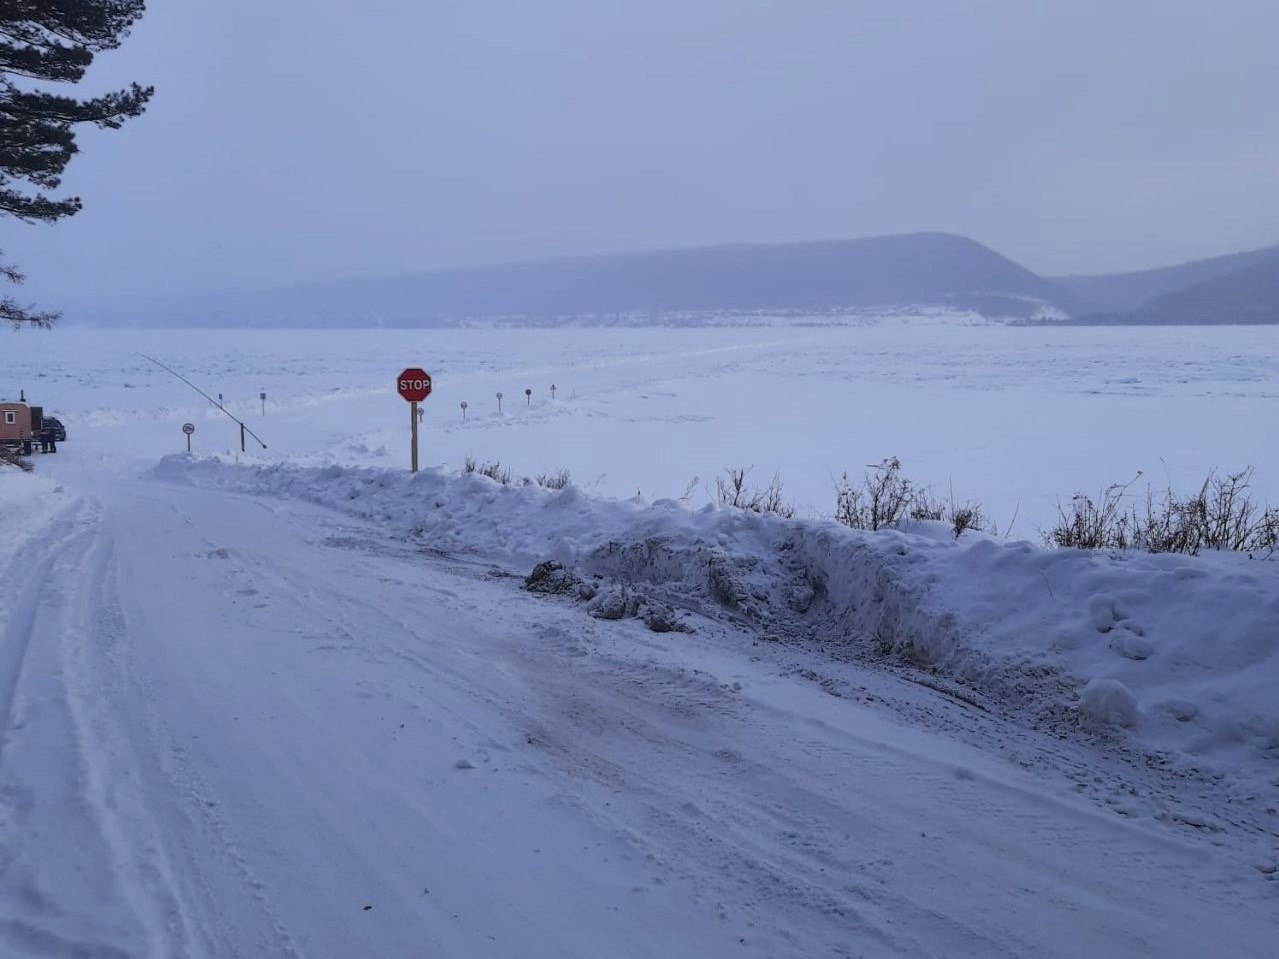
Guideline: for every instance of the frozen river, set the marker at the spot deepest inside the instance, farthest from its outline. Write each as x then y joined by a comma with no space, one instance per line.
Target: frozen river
1017,418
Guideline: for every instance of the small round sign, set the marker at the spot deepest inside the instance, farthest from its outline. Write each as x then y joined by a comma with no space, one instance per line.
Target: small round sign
188,428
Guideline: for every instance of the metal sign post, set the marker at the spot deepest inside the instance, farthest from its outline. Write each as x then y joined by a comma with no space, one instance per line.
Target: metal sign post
188,428
528,397
413,417
414,384
262,397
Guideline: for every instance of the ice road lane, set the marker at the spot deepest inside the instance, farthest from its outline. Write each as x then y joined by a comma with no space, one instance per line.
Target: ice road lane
247,727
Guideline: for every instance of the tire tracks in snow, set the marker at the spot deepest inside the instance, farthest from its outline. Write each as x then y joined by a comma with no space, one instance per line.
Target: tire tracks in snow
83,869
31,568
761,816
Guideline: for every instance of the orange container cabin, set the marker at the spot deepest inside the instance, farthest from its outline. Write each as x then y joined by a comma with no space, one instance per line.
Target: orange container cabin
16,425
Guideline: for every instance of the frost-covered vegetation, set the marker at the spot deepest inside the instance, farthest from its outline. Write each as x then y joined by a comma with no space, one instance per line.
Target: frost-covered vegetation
9,457
733,491
884,496
1222,514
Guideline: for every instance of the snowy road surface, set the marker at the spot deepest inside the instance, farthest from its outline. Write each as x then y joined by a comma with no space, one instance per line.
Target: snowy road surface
235,726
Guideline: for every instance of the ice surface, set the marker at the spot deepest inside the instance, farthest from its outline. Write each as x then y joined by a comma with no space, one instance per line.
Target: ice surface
1019,419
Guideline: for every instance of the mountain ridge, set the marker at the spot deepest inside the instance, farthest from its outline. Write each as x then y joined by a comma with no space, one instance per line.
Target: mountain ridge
917,269
691,285
1127,292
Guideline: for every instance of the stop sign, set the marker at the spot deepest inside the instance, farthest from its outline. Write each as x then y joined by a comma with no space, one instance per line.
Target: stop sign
414,384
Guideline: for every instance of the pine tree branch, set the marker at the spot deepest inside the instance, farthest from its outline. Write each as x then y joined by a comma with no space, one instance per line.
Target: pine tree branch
109,110
37,209
54,41
19,316
16,314
97,25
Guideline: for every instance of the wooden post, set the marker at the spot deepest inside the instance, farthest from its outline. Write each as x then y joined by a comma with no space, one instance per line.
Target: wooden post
413,417
242,449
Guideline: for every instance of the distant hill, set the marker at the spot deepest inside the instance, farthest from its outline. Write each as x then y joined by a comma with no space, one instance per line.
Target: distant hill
920,269
1249,295
1123,293
1242,288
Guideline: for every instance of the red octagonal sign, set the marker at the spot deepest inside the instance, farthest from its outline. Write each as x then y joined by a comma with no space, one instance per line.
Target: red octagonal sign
414,384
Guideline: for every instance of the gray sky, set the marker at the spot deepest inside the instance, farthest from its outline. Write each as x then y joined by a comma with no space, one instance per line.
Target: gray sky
300,139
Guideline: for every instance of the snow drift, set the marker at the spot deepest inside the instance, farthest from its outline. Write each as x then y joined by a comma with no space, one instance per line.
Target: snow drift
1183,651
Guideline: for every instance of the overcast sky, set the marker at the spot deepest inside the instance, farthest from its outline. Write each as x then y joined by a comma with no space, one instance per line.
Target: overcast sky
299,139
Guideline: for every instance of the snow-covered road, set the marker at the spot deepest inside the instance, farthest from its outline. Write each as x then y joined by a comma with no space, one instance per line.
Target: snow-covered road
243,726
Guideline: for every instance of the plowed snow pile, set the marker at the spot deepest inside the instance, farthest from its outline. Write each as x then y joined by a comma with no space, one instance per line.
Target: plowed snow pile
1182,651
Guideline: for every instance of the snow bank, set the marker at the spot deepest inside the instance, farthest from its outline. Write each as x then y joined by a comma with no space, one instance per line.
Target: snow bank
28,503
1108,701
1183,650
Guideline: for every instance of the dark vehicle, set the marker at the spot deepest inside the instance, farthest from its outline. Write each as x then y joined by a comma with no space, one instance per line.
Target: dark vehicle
57,432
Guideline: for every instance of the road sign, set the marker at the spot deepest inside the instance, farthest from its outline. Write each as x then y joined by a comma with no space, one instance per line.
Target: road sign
414,384
188,428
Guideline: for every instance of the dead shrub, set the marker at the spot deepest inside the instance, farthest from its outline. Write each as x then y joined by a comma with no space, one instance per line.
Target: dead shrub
962,516
554,480
732,491
880,500
1086,523
12,458
885,497
1224,516
1163,527
494,471
1220,515
925,508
